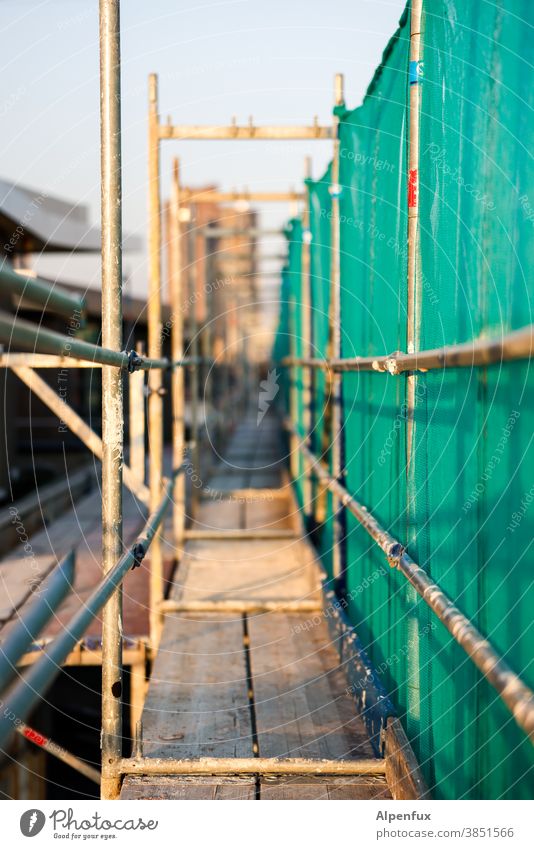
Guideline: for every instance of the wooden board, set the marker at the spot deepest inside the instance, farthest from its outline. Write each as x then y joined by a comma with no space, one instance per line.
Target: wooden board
320,788
303,708
258,570
403,773
197,702
197,705
195,787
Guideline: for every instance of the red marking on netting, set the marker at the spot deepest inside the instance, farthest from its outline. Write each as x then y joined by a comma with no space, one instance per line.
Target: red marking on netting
412,187
36,738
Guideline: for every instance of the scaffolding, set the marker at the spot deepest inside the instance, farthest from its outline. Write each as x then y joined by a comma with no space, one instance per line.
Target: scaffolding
164,493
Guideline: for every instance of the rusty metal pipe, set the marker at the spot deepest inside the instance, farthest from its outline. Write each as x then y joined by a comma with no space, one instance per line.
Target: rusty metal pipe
251,766
17,331
112,390
177,355
517,345
155,384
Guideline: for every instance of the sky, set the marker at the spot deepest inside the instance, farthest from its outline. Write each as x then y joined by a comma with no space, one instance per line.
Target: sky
271,59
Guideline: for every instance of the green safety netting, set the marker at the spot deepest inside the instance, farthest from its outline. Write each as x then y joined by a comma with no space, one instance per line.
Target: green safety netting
465,505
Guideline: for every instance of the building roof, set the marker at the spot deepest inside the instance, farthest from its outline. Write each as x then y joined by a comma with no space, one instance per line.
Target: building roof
33,221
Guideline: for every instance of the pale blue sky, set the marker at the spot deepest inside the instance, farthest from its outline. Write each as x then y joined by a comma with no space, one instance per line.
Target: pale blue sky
273,59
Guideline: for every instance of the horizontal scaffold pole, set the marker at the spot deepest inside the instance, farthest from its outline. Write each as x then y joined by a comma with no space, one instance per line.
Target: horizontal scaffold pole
24,696
76,425
57,586
37,291
250,766
44,361
518,345
212,232
16,331
55,361
212,196
224,605
518,698
244,132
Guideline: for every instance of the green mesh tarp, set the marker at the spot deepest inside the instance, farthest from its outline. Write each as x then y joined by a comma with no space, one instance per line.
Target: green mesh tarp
465,505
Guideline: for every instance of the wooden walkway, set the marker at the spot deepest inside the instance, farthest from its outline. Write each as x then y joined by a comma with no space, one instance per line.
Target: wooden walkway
247,680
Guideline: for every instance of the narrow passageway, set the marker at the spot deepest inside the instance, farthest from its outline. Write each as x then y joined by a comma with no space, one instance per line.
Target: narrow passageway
246,667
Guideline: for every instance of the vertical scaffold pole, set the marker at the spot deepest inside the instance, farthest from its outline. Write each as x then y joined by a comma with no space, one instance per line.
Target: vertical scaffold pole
335,326
177,352
155,386
136,385
208,337
413,621
294,453
194,353
414,295
112,400
307,351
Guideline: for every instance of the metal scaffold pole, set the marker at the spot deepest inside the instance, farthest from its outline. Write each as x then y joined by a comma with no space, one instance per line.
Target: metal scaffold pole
112,400
414,294
155,387
335,326
306,300
194,349
177,352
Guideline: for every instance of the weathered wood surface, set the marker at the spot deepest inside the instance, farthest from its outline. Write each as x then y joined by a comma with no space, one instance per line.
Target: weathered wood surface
322,788
196,787
197,701
231,685
403,772
254,570
303,708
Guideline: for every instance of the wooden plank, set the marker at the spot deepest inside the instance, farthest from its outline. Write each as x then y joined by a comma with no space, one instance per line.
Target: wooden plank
215,570
197,705
403,773
199,788
197,702
320,788
302,705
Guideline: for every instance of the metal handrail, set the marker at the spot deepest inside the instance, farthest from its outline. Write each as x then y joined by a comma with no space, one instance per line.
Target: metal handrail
25,695
44,341
518,698
480,352
28,628
40,292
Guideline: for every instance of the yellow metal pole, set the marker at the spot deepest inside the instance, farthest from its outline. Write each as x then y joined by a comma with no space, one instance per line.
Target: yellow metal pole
335,328
306,336
194,352
177,352
136,384
155,399
112,400
414,295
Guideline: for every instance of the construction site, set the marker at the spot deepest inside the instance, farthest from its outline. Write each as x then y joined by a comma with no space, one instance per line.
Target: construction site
266,529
